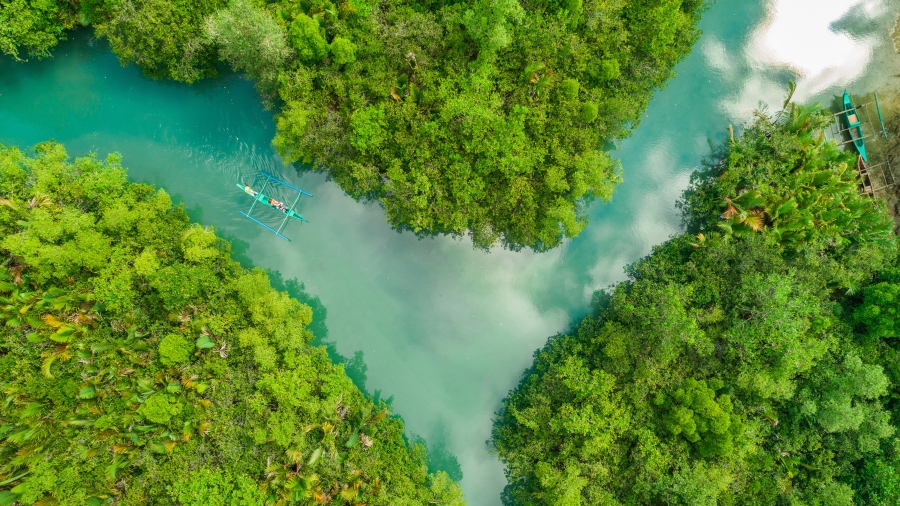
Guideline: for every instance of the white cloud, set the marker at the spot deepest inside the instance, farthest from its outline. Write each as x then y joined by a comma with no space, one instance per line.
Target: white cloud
798,35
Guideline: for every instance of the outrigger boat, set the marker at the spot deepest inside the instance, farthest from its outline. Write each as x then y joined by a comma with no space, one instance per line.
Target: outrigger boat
854,125
262,198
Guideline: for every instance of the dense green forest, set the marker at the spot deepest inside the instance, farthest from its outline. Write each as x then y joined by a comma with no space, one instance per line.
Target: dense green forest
140,364
752,360
482,117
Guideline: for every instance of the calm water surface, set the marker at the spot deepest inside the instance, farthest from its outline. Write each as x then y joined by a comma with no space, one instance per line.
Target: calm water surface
445,329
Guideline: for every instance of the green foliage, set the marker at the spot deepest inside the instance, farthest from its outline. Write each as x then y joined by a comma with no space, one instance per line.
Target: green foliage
610,70
490,115
159,408
568,89
206,487
490,24
164,37
307,39
878,482
772,180
342,51
141,365
175,349
250,40
34,26
587,112
292,128
479,127
368,128
880,308
694,412
731,368
178,285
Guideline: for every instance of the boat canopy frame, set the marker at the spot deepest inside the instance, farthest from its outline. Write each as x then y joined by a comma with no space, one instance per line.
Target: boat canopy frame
880,176
270,179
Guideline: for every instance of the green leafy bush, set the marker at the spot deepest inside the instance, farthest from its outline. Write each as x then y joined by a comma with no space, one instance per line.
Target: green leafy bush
175,349
587,112
568,89
879,312
307,39
159,408
164,37
368,128
698,415
208,487
342,51
878,482
35,26
250,40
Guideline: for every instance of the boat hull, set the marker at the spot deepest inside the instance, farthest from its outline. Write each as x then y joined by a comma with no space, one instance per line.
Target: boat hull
854,125
264,200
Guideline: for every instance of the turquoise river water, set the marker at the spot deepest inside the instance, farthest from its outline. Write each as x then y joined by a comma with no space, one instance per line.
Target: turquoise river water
445,329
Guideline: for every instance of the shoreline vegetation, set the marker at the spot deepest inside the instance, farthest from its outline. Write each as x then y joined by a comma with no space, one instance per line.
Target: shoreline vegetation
143,365
751,360
484,117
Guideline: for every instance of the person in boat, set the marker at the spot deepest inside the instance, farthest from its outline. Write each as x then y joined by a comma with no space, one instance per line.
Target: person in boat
277,204
249,190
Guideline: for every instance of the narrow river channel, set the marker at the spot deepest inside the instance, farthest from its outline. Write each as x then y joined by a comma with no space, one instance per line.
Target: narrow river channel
445,329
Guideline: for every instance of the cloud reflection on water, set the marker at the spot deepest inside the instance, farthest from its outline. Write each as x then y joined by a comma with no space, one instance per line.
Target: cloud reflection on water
825,43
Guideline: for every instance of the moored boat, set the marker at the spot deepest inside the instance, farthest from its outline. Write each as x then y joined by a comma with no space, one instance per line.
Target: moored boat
854,125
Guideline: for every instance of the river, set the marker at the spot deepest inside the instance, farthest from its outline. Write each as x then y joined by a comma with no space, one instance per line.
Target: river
444,328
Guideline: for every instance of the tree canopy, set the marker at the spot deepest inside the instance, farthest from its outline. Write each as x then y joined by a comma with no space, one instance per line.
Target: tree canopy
33,27
750,361
140,364
485,117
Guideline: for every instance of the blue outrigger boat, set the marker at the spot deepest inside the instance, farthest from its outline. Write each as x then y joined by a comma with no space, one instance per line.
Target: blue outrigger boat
261,198
854,125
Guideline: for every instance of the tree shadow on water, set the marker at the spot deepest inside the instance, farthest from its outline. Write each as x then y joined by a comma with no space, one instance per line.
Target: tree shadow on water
196,215
355,367
439,456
